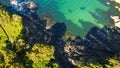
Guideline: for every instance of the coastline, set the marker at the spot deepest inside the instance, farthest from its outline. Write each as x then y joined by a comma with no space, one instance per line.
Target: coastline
98,43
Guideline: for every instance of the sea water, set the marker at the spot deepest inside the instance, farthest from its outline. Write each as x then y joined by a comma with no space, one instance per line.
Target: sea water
78,15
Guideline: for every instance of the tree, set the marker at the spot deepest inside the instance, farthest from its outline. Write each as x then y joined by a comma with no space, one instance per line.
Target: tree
10,26
15,50
42,56
10,29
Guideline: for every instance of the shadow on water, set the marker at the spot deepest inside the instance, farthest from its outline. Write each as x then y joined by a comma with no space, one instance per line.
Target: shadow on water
87,25
112,10
103,18
82,8
70,10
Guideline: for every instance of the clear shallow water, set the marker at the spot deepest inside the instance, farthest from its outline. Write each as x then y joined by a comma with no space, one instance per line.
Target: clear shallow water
5,2
78,15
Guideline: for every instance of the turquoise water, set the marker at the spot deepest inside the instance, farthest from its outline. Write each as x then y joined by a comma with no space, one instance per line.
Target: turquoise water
78,15
5,2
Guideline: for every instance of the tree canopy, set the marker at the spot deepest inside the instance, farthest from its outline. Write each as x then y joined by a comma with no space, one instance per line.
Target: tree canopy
15,51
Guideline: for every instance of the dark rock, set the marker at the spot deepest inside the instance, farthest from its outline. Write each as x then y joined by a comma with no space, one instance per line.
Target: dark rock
98,43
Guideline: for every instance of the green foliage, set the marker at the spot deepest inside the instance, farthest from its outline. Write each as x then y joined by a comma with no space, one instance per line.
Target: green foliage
10,26
42,56
10,29
111,62
14,47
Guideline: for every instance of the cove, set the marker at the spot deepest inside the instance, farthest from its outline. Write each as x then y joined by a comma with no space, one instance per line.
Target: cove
78,15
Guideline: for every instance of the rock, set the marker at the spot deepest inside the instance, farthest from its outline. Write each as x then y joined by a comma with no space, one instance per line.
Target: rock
99,43
24,7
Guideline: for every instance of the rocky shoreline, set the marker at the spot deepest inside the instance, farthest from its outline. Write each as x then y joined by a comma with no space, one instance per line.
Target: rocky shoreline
97,43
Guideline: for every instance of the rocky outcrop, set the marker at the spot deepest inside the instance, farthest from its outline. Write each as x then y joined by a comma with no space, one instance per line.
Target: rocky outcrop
24,7
35,27
98,43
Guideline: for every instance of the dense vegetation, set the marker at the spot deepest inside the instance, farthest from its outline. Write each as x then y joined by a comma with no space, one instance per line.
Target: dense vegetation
15,51
113,62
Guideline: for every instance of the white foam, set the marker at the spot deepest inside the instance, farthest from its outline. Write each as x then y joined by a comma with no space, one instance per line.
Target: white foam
117,24
116,20
117,1
14,2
